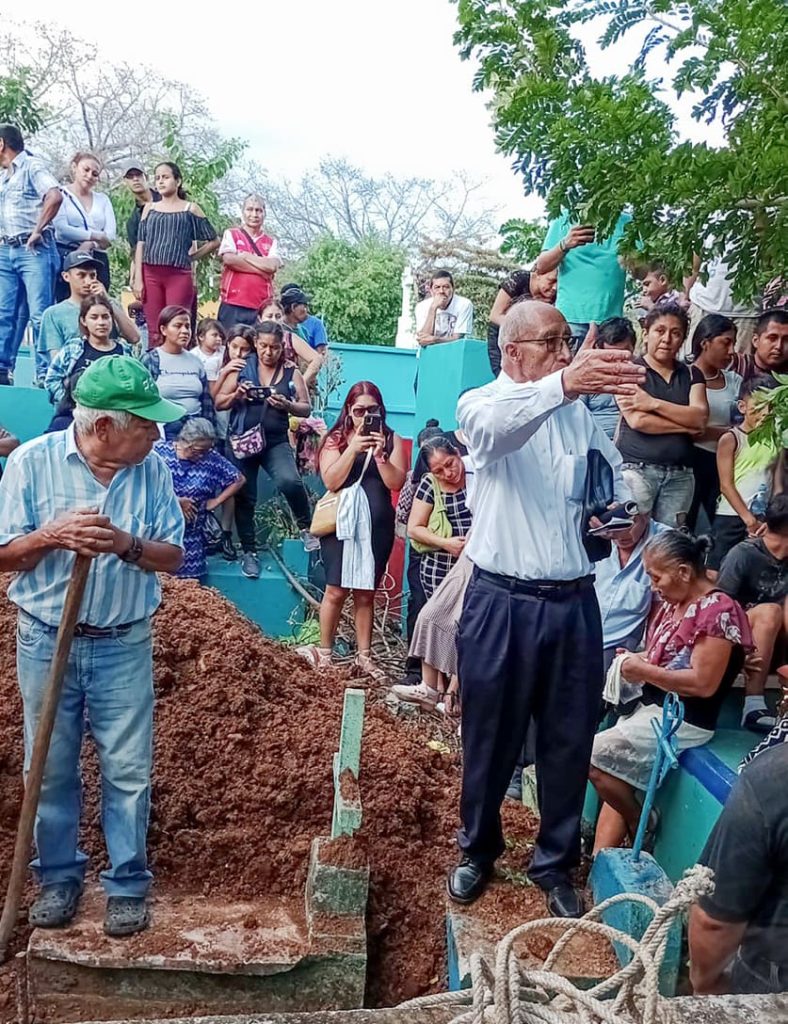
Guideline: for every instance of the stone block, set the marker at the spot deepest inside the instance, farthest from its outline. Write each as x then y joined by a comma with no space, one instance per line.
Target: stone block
334,889
615,872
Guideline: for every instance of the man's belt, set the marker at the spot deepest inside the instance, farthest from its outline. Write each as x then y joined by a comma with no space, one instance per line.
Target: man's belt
535,588
15,241
102,632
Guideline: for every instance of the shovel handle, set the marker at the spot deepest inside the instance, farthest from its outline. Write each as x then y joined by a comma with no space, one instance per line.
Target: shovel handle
35,774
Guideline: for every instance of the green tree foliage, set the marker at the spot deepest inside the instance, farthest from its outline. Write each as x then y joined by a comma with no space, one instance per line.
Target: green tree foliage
18,104
354,286
598,144
522,239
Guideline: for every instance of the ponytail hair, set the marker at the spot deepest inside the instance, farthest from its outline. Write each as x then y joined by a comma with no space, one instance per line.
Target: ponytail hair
681,547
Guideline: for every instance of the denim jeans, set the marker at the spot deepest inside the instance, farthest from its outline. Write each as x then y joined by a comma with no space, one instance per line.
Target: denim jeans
111,679
579,332
26,275
664,491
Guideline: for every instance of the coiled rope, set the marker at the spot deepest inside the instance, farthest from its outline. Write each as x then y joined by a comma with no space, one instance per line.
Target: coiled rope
510,994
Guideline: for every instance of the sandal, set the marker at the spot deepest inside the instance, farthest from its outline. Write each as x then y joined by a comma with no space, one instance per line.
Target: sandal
126,915
318,657
56,905
369,668
422,695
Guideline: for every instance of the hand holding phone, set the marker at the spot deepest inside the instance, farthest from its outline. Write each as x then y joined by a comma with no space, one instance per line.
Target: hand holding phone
373,424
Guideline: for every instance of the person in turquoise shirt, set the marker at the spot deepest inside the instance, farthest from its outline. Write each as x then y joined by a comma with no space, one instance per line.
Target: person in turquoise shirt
590,275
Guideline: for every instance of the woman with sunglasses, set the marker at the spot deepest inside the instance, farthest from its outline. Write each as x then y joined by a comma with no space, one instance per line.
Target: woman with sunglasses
85,220
359,447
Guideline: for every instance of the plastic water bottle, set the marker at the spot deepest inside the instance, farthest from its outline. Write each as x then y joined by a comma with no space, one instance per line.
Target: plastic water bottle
760,501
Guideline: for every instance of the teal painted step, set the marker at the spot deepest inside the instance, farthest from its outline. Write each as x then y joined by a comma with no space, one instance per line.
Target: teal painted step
25,412
270,602
394,372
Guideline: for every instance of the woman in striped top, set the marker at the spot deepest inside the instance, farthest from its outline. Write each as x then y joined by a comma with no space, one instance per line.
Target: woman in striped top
169,231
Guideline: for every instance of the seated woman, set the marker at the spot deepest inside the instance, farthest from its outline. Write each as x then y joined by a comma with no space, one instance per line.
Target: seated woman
203,481
659,422
695,647
356,450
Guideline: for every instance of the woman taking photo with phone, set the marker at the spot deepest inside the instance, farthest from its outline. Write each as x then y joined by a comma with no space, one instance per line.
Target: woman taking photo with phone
359,449
267,392
165,256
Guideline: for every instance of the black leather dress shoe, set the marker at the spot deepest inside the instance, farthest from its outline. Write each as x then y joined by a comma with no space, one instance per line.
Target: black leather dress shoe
564,901
468,880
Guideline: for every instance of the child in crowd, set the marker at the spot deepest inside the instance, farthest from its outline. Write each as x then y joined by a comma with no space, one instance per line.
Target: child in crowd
137,316
745,469
615,333
211,338
657,290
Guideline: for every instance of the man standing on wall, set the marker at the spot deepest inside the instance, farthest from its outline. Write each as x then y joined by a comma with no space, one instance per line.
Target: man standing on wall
530,636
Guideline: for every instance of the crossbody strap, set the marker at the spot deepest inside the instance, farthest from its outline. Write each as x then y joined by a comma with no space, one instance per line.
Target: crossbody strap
251,241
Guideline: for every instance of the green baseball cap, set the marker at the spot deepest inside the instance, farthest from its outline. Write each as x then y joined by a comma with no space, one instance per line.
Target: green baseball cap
123,384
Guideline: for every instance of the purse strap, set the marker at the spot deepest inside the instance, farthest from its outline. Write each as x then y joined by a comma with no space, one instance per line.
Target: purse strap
438,500
366,466
251,241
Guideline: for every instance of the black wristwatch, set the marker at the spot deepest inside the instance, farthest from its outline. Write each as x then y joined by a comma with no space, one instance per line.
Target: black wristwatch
134,551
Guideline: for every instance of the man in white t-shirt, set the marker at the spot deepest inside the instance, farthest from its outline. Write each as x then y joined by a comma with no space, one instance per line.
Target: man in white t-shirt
443,316
716,296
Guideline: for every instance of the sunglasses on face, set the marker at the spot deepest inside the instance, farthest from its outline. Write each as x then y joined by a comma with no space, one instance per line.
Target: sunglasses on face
361,410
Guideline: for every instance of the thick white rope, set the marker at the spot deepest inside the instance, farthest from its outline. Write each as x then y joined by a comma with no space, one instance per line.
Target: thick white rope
509,994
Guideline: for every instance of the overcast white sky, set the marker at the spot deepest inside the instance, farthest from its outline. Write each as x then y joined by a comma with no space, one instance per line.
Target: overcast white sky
381,84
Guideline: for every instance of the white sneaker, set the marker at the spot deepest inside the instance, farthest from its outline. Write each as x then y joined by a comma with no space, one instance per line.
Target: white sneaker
310,541
422,695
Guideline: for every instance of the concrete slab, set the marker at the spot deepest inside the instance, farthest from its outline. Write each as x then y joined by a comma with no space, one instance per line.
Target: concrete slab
689,1010
187,933
200,956
467,934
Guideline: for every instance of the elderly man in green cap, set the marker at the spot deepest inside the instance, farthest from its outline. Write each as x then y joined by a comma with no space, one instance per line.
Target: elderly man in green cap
99,490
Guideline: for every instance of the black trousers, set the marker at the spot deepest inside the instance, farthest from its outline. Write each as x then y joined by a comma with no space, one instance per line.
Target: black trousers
524,656
707,486
279,462
416,601
230,315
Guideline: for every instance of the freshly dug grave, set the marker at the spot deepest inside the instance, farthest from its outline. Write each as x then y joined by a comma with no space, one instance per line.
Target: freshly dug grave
245,734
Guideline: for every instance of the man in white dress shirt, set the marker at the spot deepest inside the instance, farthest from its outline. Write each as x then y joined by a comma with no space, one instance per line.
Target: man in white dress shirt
530,636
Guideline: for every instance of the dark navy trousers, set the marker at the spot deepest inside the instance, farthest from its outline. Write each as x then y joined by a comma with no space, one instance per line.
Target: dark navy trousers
524,655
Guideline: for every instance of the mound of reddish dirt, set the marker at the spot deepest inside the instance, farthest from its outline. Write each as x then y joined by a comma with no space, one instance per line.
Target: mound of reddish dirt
244,739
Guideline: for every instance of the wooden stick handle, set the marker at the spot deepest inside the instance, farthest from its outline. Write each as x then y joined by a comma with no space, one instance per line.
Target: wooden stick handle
35,774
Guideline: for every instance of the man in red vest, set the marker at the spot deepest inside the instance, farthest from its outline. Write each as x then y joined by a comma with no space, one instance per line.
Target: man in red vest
250,261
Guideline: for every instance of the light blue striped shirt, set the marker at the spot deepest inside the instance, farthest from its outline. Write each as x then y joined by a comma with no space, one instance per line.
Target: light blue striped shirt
49,476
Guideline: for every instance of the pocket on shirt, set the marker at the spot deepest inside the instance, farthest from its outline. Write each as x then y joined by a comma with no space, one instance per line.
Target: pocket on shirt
138,527
574,469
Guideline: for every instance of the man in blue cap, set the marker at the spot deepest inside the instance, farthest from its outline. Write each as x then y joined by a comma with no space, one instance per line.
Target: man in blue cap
99,490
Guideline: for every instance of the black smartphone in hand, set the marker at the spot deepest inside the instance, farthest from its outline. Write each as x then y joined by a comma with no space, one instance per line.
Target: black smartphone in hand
373,424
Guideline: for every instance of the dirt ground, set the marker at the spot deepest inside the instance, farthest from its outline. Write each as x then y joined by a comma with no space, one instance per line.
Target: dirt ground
245,734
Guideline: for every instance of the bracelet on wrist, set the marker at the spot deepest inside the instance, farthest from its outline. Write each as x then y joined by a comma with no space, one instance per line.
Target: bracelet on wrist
133,553
562,245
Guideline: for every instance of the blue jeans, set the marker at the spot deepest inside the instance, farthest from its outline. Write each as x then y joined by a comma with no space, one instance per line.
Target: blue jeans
25,276
579,332
112,679
664,492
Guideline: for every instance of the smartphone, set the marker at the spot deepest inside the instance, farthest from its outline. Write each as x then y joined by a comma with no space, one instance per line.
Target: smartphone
372,424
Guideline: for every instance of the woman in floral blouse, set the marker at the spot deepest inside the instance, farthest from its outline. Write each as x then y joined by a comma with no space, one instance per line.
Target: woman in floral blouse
695,648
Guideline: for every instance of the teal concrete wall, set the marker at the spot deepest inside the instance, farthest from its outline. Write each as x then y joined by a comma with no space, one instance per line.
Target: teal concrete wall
24,411
445,372
394,372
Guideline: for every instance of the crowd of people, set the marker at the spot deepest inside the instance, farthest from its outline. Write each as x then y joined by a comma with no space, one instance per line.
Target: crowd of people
558,589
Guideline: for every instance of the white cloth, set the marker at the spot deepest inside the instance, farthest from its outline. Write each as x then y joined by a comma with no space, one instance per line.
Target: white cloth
612,690
227,243
354,528
74,224
456,318
716,296
212,361
529,447
722,405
